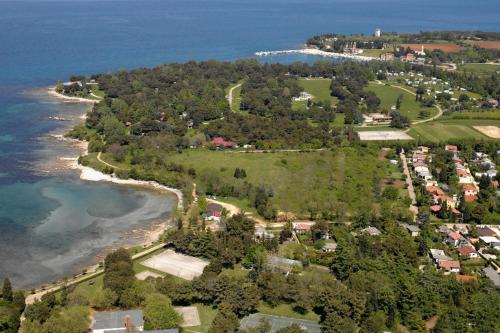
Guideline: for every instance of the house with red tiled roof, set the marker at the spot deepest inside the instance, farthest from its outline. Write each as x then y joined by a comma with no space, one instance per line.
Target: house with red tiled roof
467,251
449,266
454,238
302,228
451,148
486,232
470,198
469,189
434,190
221,143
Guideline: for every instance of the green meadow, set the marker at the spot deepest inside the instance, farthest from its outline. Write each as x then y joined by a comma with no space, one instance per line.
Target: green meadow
480,69
388,96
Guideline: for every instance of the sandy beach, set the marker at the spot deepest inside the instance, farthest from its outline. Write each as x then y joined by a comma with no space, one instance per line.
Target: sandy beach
316,52
52,92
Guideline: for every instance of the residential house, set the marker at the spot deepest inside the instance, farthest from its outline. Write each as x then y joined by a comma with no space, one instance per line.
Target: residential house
130,321
492,242
409,57
467,251
213,212
486,232
469,189
302,227
389,56
449,266
262,233
424,149
329,247
221,143
464,176
438,255
451,148
435,209
454,239
412,229
372,231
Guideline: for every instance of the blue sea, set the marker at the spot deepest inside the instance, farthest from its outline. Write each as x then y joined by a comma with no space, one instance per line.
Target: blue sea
51,223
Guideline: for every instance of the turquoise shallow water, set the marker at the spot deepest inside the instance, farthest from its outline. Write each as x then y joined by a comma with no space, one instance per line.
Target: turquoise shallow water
52,223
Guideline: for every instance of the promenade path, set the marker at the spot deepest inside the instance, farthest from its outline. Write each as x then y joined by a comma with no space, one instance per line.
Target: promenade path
92,272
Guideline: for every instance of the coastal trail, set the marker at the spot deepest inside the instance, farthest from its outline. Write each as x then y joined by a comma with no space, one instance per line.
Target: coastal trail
106,163
93,272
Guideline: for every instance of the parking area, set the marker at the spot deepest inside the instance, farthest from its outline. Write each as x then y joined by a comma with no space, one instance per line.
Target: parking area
383,135
180,265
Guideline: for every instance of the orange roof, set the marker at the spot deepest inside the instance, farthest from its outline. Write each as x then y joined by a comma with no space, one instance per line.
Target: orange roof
466,250
469,187
466,278
470,198
462,172
454,235
451,148
434,189
449,264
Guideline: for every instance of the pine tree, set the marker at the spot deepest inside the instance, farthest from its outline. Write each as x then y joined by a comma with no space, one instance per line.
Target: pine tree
7,290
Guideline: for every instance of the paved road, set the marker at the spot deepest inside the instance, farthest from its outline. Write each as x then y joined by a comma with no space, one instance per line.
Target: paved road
411,189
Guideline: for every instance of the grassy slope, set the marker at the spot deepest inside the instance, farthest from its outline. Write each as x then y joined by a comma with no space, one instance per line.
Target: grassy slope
481,69
297,178
388,96
319,88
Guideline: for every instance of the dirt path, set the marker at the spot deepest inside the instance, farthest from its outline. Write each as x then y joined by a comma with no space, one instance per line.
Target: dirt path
106,163
230,95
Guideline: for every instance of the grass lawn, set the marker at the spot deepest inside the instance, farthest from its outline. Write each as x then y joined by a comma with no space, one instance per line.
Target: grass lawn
319,88
286,310
495,114
297,179
443,130
388,96
373,52
480,69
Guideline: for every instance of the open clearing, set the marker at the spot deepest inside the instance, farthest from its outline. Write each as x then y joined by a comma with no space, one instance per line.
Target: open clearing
319,88
388,96
491,131
145,274
383,135
180,265
446,47
481,69
189,315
